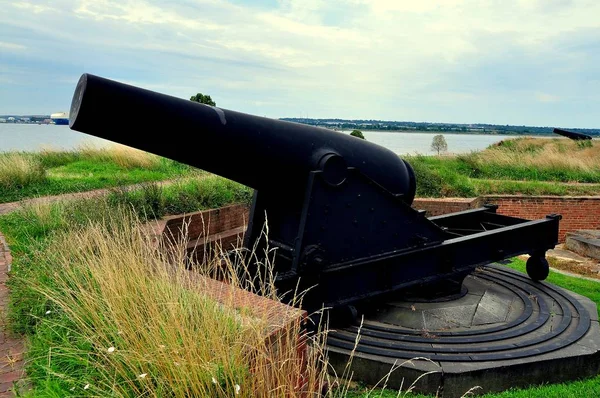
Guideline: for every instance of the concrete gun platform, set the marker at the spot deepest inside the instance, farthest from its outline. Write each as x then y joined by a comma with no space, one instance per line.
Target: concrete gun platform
504,331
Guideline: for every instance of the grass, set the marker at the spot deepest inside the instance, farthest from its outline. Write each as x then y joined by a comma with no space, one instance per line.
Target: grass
154,201
529,166
550,159
94,293
107,315
18,170
115,319
49,172
507,187
37,220
30,229
517,166
576,389
117,323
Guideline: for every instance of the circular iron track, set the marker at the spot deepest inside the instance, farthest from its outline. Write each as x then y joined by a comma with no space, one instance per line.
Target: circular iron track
400,342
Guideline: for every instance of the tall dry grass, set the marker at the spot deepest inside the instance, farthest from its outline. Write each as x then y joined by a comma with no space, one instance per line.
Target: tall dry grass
19,170
124,156
151,329
544,153
122,316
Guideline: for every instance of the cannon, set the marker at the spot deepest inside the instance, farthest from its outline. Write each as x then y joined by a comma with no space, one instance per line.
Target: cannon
572,134
338,208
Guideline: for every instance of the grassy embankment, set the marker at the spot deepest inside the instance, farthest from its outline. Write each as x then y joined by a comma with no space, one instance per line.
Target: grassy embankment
529,166
104,317
50,172
548,166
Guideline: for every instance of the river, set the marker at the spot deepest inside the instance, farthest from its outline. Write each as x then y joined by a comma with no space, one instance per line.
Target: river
34,137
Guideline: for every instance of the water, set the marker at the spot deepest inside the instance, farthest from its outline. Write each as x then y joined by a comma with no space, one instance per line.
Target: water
404,143
33,137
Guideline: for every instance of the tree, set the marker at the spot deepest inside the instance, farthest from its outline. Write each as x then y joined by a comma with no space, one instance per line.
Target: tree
439,144
203,99
358,134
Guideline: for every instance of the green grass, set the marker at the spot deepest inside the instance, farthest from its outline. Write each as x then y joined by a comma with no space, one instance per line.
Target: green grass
84,280
103,289
516,166
577,389
27,228
28,231
29,175
507,187
472,166
153,201
36,221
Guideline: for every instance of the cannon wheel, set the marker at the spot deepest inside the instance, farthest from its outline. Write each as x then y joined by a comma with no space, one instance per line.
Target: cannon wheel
537,267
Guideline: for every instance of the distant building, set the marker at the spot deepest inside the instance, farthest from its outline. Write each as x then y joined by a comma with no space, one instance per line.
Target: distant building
2,120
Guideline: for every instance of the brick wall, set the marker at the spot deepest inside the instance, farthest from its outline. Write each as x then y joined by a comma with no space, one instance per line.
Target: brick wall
578,212
207,222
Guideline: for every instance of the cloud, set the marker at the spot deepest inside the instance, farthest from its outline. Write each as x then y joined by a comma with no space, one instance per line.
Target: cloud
30,7
11,46
456,60
545,97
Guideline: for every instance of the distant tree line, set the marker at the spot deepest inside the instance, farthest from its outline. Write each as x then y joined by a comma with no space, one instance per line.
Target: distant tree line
476,128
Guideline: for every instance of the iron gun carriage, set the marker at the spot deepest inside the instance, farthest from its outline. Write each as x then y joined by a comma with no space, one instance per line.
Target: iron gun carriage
338,208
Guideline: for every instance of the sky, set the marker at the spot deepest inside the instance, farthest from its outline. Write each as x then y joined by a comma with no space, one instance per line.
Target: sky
518,62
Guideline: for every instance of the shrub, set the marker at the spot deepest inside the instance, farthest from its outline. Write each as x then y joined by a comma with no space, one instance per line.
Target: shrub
584,144
357,134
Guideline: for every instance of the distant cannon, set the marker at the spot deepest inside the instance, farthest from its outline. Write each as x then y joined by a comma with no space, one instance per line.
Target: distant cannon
572,134
338,208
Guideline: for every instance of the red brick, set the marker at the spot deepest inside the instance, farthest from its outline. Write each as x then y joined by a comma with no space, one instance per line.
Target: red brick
11,376
576,212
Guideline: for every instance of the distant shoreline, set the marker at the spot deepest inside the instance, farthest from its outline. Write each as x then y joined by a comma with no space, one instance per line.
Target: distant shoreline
444,128
458,132
386,126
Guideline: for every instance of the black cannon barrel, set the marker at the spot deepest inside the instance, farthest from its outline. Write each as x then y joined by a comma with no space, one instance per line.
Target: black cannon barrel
238,146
